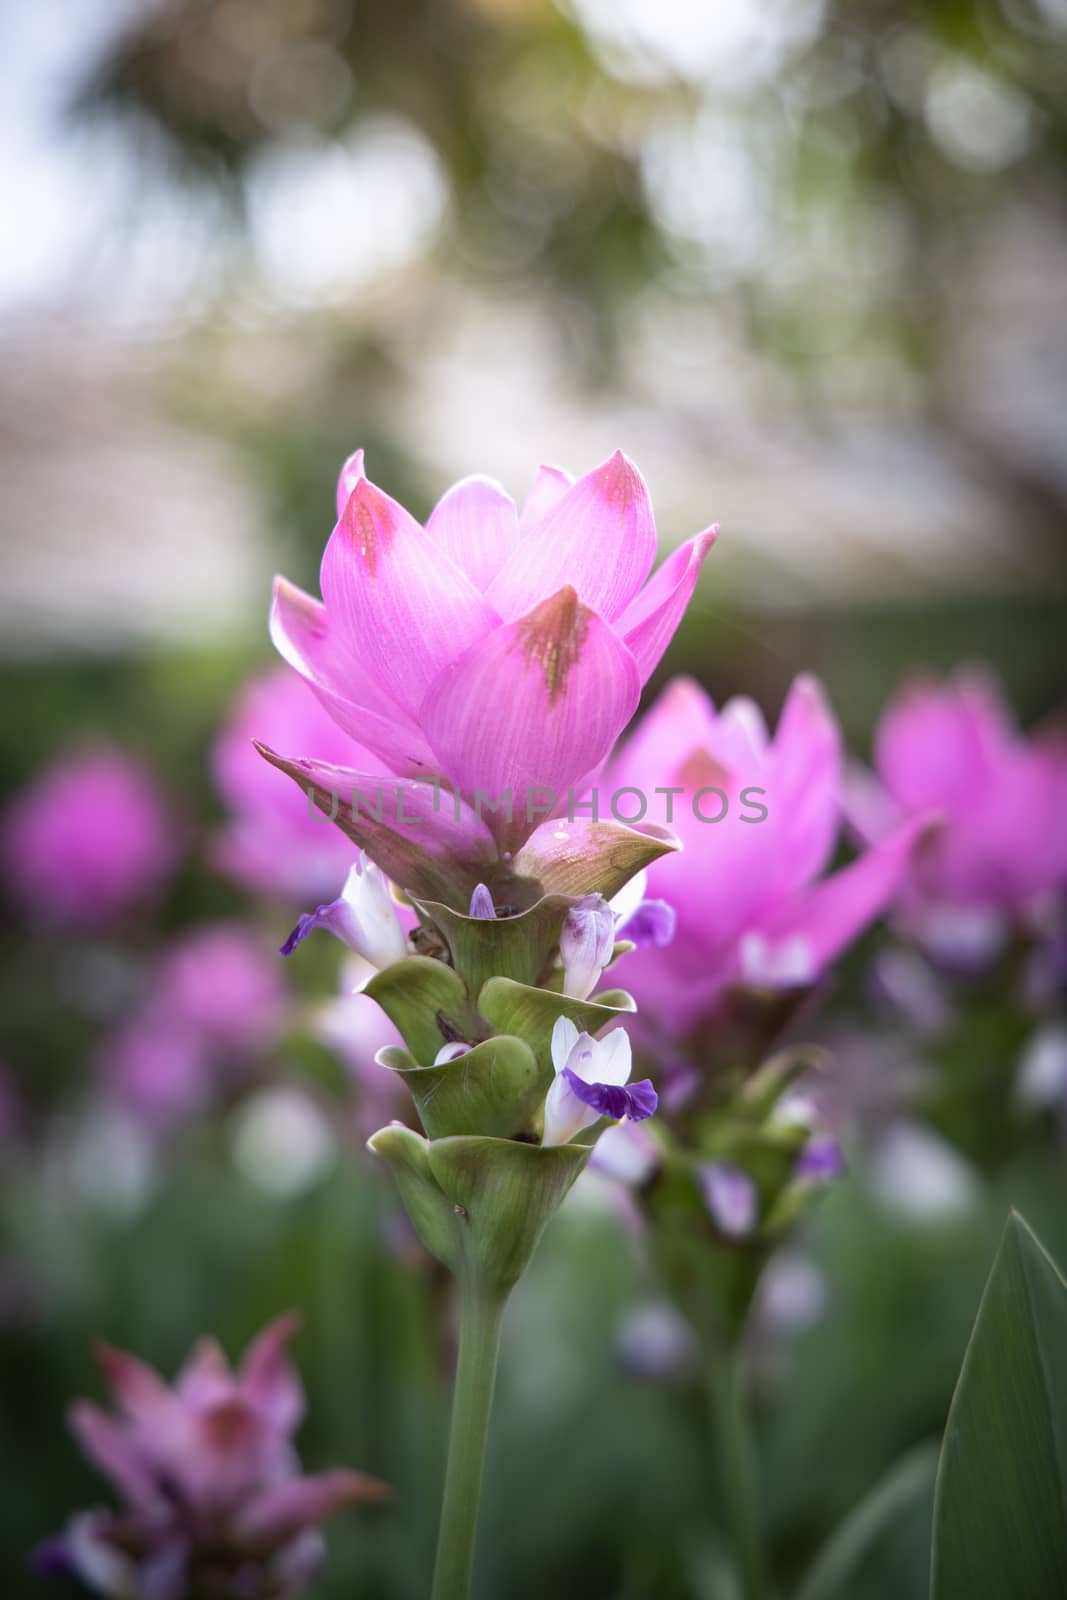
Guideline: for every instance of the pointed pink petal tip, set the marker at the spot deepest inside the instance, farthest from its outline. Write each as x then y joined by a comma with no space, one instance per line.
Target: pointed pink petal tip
348,477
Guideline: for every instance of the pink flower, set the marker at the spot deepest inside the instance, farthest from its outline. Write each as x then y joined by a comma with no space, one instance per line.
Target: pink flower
212,1498
220,981
954,749
88,840
502,655
276,842
759,819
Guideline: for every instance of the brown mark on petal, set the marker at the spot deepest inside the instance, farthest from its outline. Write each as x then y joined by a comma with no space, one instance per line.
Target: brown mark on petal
701,771
368,522
553,635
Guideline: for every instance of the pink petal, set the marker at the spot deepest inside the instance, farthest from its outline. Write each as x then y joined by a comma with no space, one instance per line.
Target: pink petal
680,722
348,477
533,706
399,602
205,1375
805,783
136,1386
285,1510
649,621
549,486
302,634
267,1377
600,537
835,911
110,1448
936,745
476,524
418,833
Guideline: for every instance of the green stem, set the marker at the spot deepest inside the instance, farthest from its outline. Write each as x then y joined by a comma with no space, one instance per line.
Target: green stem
481,1317
737,1464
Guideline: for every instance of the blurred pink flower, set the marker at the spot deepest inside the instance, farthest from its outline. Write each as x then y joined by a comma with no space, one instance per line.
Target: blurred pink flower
212,1497
224,983
216,999
275,842
751,903
88,840
955,750
354,1027
499,653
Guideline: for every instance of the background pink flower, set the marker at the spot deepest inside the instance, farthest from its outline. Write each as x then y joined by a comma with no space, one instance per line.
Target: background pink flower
274,842
753,905
954,749
89,839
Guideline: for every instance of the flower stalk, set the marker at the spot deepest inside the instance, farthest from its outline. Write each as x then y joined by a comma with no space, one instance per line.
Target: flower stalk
739,1487
481,1318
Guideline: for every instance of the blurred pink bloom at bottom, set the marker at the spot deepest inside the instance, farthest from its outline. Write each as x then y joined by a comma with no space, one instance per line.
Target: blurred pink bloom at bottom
212,1497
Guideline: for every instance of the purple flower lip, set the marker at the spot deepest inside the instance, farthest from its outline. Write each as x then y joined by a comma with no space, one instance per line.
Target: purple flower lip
633,1100
307,923
652,925
821,1160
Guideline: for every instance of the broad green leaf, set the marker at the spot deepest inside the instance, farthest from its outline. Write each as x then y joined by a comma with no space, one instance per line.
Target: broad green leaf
434,1218
533,1013
505,1194
882,1548
1000,1514
480,1205
586,857
522,947
427,1001
494,1089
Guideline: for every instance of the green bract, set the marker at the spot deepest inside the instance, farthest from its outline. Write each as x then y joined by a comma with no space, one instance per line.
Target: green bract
480,1205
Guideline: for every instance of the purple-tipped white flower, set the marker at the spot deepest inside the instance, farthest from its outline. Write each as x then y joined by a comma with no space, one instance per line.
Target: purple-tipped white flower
213,1500
592,1081
587,942
363,917
586,945
731,1198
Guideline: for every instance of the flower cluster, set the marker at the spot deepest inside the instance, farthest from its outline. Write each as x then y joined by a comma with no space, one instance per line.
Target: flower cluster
212,1498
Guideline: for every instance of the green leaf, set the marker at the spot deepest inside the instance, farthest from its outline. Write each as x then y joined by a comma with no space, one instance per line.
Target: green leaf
506,1193
434,1218
532,1014
520,947
883,1546
1000,1513
586,857
494,1089
427,1001
480,1205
